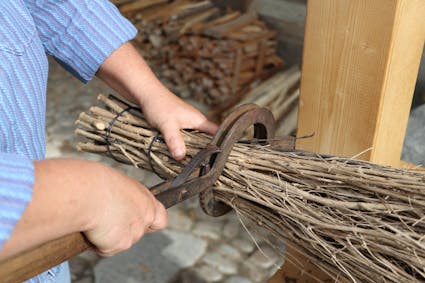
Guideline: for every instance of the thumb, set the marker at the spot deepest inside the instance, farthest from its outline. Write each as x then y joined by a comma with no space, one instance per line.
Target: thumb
160,220
174,141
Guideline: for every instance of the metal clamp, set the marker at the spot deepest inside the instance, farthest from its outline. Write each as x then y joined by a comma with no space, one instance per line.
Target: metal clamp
230,131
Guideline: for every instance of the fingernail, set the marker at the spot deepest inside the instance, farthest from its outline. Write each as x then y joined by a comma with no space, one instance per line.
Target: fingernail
178,153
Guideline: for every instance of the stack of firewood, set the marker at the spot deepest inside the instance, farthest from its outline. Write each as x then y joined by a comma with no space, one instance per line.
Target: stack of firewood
160,22
220,61
201,51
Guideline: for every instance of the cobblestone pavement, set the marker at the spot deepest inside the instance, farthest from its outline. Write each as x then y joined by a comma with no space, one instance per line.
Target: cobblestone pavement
194,248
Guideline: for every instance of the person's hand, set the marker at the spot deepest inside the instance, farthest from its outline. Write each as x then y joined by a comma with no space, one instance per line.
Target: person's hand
169,114
126,72
112,210
125,211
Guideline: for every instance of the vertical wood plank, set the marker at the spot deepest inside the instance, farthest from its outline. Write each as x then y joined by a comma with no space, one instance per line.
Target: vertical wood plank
400,80
360,65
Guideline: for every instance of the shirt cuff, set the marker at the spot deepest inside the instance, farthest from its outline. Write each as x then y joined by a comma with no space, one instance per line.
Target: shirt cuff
16,186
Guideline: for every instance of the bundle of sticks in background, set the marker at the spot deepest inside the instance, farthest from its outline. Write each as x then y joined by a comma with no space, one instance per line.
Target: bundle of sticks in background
279,94
201,51
352,218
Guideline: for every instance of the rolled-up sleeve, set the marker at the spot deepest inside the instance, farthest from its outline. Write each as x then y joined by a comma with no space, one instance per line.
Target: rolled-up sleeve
16,183
80,34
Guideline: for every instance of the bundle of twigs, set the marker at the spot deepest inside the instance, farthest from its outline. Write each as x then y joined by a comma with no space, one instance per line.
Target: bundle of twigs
352,218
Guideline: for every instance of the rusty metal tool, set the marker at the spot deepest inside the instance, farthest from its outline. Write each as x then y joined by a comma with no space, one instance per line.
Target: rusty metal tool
198,177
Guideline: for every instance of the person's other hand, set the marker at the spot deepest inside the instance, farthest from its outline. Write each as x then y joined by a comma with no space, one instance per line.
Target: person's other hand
169,114
125,211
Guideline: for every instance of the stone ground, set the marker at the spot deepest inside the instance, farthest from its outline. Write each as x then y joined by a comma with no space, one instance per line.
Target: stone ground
195,248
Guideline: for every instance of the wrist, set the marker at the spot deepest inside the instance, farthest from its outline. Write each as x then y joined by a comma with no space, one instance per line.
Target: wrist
128,73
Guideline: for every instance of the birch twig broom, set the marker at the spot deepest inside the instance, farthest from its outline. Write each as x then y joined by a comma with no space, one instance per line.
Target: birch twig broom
353,219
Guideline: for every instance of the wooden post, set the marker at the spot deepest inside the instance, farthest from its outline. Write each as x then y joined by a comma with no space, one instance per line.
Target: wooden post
360,65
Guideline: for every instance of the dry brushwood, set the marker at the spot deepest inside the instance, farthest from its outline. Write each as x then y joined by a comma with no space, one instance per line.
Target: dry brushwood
352,218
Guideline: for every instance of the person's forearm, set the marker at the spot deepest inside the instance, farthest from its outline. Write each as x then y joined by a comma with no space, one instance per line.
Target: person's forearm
128,73
60,204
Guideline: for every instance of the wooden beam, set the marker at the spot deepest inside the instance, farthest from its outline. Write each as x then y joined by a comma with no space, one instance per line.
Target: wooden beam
360,65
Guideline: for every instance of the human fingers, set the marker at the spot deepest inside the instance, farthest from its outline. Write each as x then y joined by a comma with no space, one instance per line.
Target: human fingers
174,140
131,210
207,126
121,246
110,243
160,220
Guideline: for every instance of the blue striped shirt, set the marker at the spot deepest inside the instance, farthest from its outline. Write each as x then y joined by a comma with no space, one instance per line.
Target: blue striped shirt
80,34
